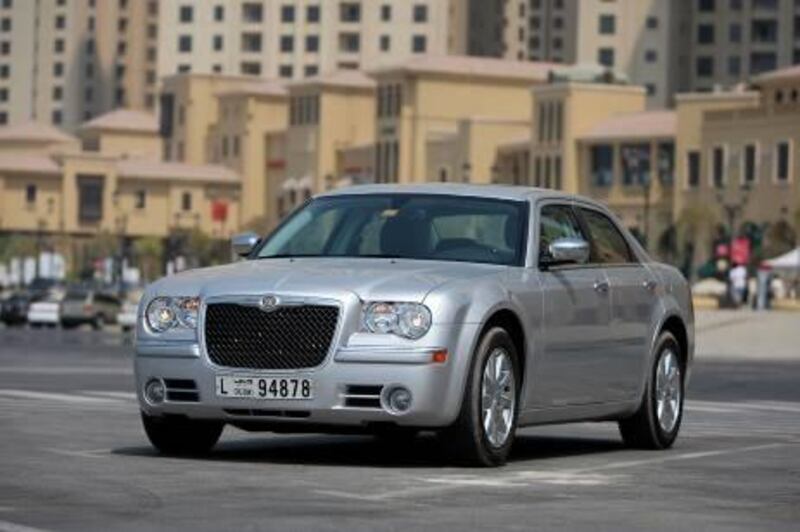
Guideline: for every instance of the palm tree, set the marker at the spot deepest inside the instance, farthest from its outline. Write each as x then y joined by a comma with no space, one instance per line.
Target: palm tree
149,252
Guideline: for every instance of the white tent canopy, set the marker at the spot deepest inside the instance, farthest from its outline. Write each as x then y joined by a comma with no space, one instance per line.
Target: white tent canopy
787,261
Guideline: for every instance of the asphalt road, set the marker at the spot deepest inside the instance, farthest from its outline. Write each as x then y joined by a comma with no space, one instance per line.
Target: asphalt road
73,456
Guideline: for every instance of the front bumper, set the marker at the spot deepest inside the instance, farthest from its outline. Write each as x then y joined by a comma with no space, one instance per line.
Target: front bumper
436,388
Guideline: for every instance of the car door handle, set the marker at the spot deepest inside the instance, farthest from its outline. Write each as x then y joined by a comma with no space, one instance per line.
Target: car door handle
601,286
650,285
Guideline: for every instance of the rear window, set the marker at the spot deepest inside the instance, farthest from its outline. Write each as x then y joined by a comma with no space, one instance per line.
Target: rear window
76,295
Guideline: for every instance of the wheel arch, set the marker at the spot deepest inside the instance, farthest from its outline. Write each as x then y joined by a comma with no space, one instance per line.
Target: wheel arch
510,321
674,324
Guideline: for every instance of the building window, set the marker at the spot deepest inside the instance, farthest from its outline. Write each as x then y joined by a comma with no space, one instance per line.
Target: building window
763,62
30,194
58,46
385,43
183,68
607,24
706,6
312,43
58,70
736,5
734,66
350,12
420,13
651,89
251,68
635,161
60,22
783,157
735,33
219,13
310,71
286,71
58,93
651,56
140,199
764,31
218,43
749,174
287,14
185,43
287,43
90,199
602,165
312,14
251,42
5,48
419,44
186,14
693,169
666,162
652,23
718,167
349,42
386,13
186,201
705,34
705,66
605,56
252,12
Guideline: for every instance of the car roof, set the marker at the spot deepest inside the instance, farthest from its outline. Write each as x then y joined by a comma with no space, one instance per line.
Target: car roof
507,192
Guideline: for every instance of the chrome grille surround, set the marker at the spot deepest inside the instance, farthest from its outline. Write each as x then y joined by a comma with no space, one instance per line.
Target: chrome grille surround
298,334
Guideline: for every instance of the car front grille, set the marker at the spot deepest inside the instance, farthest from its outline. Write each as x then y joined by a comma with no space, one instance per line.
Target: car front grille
288,337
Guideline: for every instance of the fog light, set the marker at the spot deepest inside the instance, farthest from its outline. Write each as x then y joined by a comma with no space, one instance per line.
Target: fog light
399,400
155,392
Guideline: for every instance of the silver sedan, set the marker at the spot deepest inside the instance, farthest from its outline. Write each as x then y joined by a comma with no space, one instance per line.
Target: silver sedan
465,310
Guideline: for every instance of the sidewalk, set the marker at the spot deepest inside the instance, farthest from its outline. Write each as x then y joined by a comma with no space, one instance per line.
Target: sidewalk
747,335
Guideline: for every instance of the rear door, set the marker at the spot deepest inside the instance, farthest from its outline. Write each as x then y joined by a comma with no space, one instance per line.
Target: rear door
577,315
633,301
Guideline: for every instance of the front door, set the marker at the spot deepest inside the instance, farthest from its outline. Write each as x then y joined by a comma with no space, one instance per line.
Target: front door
577,316
633,304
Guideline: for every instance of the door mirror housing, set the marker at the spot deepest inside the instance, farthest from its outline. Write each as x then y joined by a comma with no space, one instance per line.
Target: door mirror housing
244,244
567,251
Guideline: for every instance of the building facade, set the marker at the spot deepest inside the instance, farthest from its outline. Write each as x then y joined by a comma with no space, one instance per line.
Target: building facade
66,61
302,38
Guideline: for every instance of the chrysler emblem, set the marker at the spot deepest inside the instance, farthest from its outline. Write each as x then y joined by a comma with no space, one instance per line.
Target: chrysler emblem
269,303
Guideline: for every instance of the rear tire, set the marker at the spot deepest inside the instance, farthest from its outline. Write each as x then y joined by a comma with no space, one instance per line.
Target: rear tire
483,434
98,322
181,437
655,425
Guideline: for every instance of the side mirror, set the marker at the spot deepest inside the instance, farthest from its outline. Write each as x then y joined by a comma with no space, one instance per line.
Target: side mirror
568,251
244,243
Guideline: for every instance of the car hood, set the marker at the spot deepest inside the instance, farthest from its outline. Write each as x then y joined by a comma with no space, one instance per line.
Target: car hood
368,279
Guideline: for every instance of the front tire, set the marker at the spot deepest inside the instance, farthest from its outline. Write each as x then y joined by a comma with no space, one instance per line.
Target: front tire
181,437
656,423
484,431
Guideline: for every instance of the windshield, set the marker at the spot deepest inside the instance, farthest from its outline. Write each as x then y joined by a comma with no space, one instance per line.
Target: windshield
411,226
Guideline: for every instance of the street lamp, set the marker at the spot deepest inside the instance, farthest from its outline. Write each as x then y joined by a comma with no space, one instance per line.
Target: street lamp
121,225
732,210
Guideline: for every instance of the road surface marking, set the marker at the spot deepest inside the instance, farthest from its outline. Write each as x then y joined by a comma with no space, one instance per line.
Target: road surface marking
67,370
57,397
125,396
95,453
5,526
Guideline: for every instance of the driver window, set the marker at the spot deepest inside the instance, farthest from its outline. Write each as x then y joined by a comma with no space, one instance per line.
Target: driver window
556,221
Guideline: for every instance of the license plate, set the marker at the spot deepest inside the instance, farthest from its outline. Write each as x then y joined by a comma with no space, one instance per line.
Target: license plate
266,388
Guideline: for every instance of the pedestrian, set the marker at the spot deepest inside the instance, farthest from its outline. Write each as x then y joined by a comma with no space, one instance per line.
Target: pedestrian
738,283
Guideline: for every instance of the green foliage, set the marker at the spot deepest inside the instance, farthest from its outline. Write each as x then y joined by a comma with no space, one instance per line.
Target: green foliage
17,246
148,255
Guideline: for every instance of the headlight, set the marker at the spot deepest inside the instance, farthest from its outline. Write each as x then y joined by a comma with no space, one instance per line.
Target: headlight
164,313
409,320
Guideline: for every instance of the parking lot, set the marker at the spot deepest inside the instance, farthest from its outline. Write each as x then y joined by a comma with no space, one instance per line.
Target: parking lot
73,455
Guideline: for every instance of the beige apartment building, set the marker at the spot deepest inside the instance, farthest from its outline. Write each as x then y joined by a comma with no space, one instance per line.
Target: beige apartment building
636,38
733,41
740,159
294,39
108,180
327,115
435,104
66,61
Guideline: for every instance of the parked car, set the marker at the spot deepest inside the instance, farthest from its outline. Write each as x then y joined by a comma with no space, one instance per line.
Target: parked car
45,310
127,314
88,307
466,310
14,309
